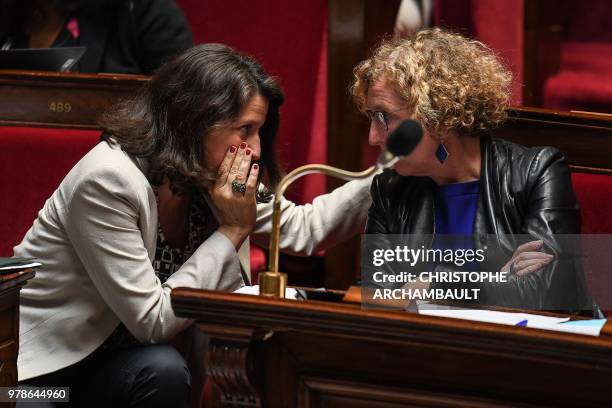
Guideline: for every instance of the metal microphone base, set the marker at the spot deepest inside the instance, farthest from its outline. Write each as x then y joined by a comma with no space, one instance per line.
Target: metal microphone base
272,284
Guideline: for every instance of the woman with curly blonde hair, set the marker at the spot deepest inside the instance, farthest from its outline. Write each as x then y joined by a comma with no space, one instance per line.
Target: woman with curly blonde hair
461,181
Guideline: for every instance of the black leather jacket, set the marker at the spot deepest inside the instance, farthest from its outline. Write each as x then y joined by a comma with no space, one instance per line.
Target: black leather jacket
522,191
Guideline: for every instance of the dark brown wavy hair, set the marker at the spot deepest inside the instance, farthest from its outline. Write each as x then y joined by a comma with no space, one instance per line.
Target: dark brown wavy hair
202,89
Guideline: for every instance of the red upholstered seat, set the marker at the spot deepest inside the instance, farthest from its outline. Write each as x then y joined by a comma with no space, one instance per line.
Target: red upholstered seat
585,80
580,56
258,262
594,193
34,162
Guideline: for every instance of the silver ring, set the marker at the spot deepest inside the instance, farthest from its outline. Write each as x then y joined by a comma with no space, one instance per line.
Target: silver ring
238,187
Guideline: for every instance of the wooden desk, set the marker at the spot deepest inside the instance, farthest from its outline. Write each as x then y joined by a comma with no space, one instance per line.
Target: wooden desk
61,99
10,285
585,138
284,353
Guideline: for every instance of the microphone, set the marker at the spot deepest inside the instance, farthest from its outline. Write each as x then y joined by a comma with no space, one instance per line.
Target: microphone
401,142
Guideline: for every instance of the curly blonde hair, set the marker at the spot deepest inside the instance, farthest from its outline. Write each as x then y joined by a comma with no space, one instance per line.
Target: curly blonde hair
449,82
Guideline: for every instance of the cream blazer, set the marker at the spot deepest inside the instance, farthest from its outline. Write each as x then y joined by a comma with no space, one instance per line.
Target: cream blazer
96,237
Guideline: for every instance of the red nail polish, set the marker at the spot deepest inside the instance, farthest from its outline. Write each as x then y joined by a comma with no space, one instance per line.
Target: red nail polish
248,151
242,145
255,166
232,149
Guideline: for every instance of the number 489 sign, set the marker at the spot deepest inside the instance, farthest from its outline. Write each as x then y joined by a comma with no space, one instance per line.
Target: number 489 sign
60,107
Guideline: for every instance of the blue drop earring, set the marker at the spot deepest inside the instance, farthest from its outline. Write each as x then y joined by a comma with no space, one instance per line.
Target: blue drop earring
442,153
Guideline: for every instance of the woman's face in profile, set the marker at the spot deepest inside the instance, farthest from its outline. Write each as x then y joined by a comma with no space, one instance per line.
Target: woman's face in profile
245,129
387,109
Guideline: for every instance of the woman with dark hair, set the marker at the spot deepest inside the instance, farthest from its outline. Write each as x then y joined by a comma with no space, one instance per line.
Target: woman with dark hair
168,199
121,36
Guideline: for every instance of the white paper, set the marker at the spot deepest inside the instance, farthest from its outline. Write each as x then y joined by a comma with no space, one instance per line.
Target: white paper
591,327
20,266
490,316
290,293
587,327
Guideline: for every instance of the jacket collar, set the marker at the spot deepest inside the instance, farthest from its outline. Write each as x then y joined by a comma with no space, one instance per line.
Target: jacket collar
485,220
485,217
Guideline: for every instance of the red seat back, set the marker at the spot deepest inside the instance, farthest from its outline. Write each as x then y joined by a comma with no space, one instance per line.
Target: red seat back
594,193
33,163
289,38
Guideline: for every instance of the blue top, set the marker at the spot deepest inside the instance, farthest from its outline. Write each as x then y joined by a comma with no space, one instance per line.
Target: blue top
456,206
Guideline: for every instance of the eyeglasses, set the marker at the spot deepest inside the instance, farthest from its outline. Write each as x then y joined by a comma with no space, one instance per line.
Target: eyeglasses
381,118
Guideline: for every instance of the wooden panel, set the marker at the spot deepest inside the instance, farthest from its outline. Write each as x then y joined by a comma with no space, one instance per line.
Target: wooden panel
10,285
585,138
8,364
354,27
327,354
544,28
345,50
60,99
330,393
7,314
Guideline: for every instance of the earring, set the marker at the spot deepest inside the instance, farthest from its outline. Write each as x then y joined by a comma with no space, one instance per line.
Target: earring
442,153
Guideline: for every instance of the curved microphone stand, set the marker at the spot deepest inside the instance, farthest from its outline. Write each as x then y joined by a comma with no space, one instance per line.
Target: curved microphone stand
399,144
273,283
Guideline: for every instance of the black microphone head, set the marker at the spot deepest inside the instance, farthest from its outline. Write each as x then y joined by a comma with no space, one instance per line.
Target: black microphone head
404,138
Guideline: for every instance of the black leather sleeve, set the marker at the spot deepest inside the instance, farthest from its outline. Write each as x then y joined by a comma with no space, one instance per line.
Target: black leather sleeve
553,215
375,238
547,207
551,206
377,212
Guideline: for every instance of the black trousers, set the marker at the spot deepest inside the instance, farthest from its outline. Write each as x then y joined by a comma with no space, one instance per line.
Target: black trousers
139,376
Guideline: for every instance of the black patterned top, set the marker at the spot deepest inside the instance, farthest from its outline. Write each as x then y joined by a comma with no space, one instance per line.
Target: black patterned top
167,260
202,224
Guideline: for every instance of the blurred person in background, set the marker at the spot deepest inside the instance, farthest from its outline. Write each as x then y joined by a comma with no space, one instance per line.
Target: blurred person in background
121,36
